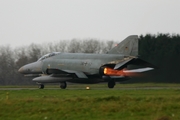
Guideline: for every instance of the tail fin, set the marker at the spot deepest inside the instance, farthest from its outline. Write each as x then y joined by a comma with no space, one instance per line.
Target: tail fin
128,46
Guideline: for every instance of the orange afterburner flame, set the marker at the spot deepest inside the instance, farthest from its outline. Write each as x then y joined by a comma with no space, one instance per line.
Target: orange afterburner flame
112,72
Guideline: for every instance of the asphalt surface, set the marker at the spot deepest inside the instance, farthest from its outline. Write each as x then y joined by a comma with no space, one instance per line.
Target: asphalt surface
122,88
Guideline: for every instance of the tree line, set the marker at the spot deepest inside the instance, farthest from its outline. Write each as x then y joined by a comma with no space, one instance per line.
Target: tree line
162,50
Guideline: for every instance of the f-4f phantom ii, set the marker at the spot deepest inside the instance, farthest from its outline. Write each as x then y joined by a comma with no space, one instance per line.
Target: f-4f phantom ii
60,68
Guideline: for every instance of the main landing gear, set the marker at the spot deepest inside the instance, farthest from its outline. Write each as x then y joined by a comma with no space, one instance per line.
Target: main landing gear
63,85
41,86
111,83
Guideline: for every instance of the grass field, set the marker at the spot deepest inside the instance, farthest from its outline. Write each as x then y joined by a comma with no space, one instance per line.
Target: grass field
96,104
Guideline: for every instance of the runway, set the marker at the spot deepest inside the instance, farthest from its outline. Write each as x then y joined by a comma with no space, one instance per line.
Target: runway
122,88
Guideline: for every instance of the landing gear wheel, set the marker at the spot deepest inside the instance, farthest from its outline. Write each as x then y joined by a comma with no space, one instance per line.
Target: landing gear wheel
111,84
41,86
63,85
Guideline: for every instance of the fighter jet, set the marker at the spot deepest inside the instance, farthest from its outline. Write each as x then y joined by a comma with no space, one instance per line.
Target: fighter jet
111,67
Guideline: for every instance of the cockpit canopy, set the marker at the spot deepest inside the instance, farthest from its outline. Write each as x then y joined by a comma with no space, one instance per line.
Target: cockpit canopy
48,55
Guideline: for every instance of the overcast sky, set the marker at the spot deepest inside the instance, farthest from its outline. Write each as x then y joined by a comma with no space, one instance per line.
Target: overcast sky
23,22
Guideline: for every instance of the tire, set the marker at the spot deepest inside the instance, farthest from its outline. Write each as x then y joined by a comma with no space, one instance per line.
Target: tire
111,84
63,85
41,86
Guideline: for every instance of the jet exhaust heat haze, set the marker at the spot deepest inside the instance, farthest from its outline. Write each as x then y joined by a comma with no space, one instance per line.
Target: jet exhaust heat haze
60,68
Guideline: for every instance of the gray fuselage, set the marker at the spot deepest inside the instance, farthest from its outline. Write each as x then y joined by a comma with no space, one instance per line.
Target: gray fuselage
88,63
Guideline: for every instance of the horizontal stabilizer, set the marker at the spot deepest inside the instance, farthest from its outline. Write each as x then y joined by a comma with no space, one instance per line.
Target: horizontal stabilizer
134,61
122,64
140,62
138,70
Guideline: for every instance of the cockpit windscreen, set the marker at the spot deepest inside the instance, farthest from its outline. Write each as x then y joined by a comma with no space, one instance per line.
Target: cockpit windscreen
48,55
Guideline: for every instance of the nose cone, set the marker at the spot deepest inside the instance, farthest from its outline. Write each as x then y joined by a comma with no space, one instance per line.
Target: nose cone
32,68
21,70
